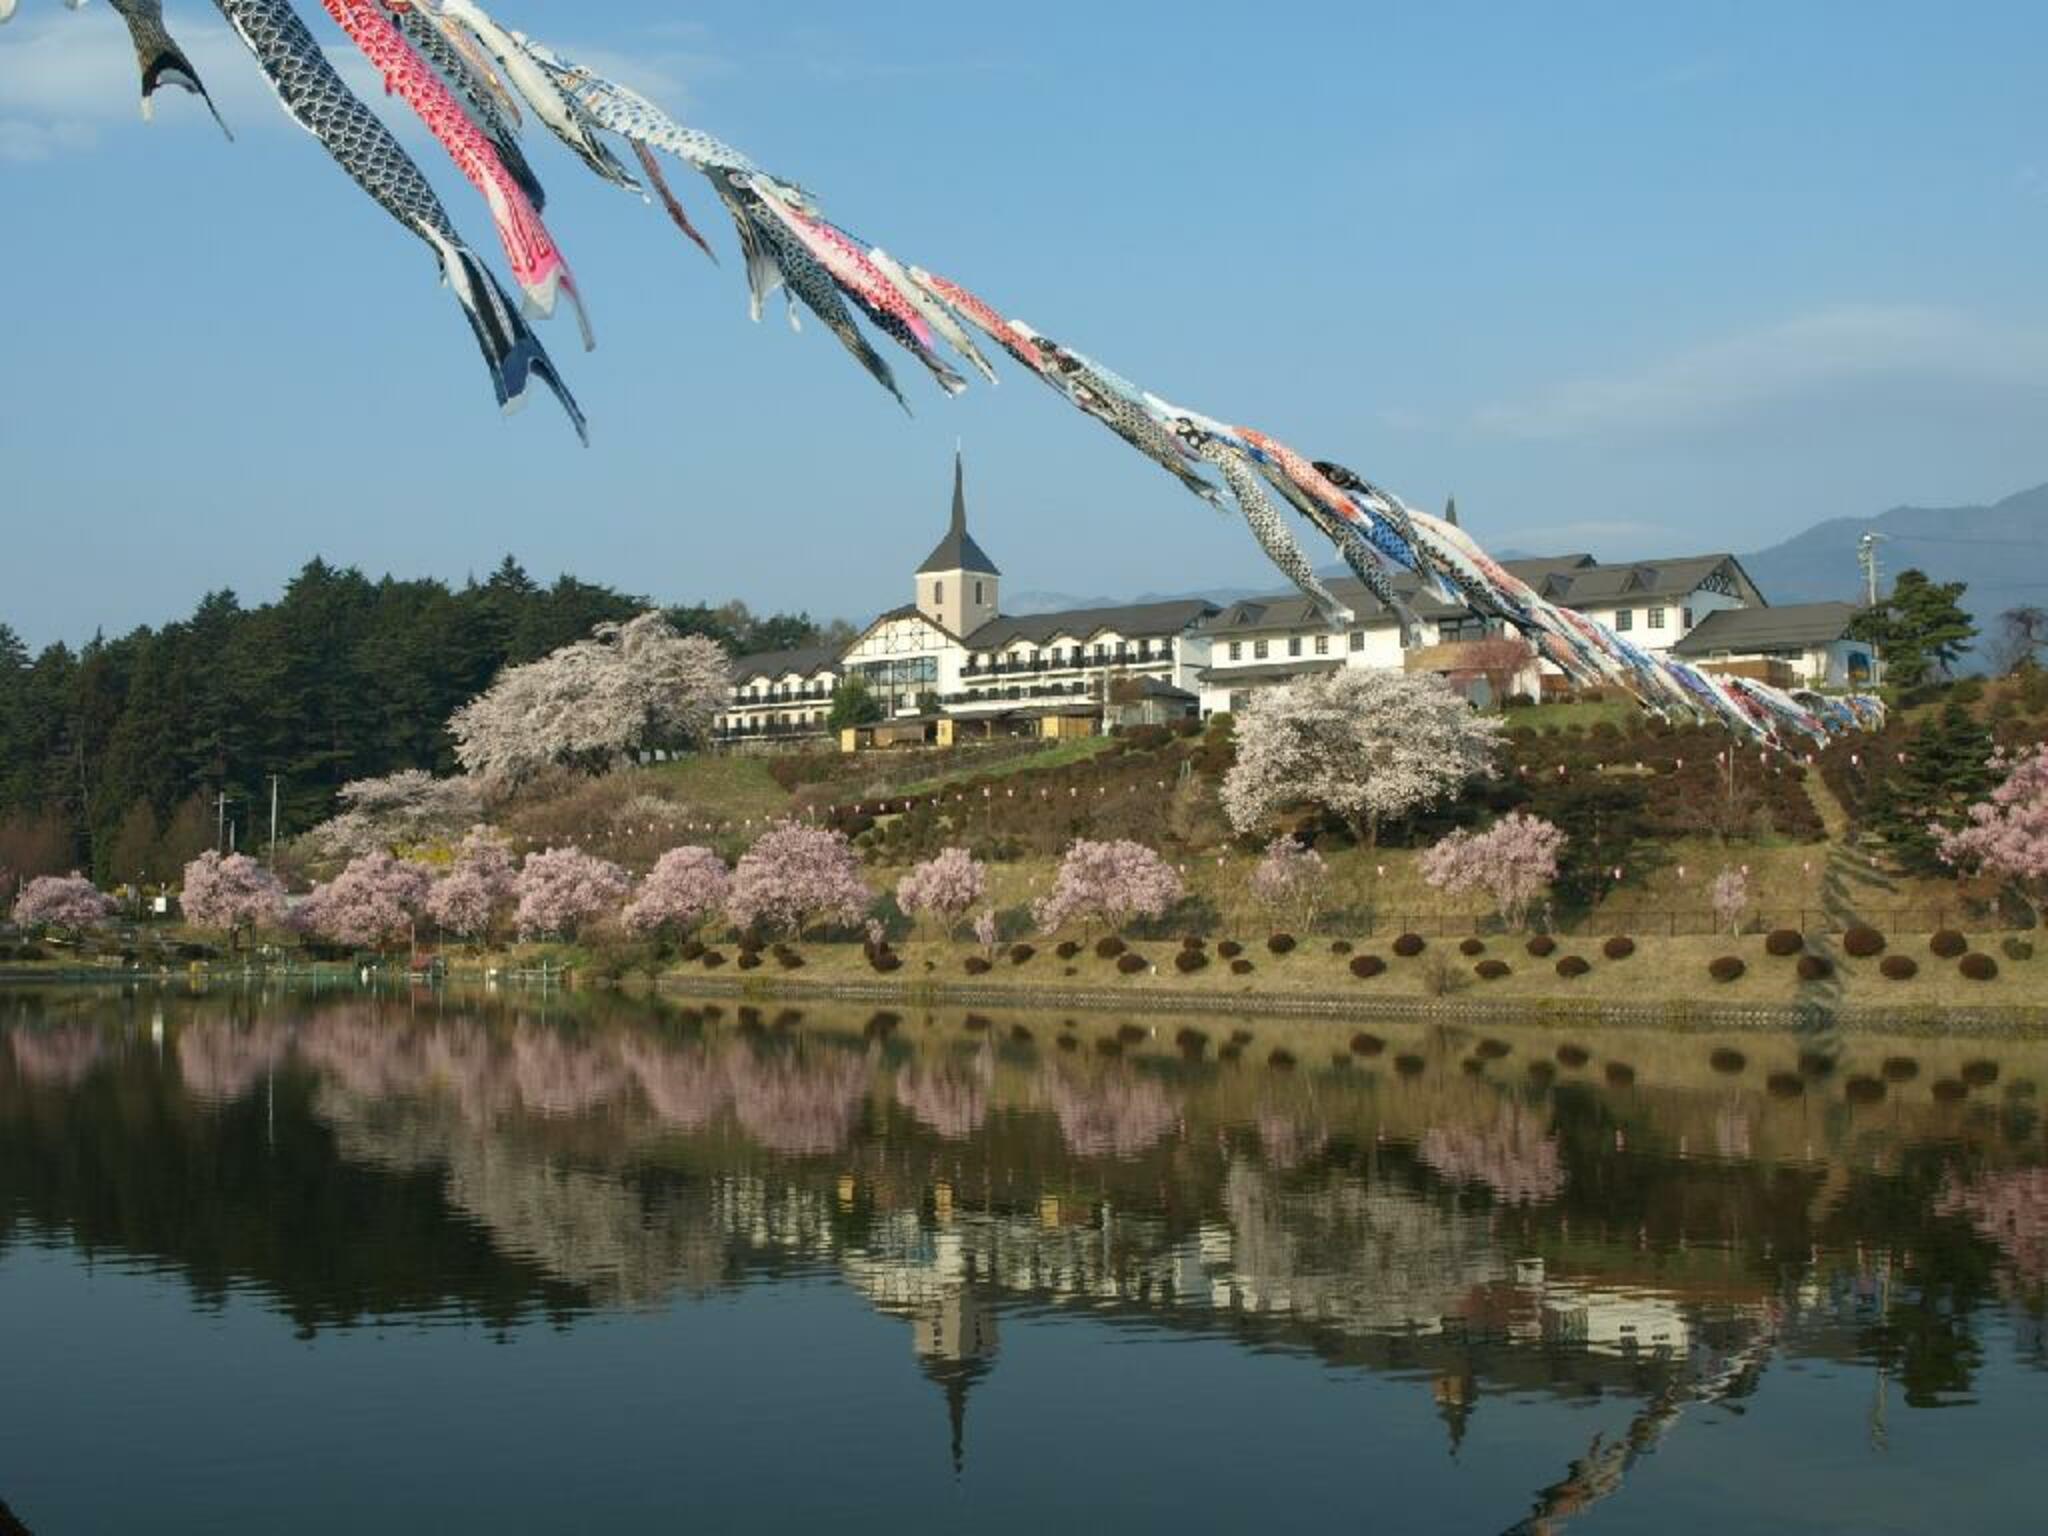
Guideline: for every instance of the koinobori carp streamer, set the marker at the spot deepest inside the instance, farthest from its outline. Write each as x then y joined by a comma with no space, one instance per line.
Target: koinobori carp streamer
472,80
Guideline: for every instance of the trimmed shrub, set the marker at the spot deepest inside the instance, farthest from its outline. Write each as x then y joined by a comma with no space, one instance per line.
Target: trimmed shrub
1240,967
1192,942
1728,1062
1978,966
1409,945
1899,1069
1131,1034
1620,1074
1492,1050
1281,1059
1020,953
789,959
1020,1034
749,960
2017,948
1280,943
976,965
1068,949
1491,970
1620,947
1340,947
1189,961
1240,1037
1573,1056
1784,942
1980,1074
1726,968
691,949
1108,947
1131,963
1571,966
1863,942
1230,949
1409,1065
1363,1044
1815,967
1192,1042
882,1024
1898,967
1949,944
1471,947
888,960
1863,1090
1365,967
713,959
1542,947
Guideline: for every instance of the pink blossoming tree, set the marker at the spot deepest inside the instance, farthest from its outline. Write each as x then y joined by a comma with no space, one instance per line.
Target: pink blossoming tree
371,904
1289,878
1366,744
2007,834
685,886
944,887
795,876
230,894
1109,883
70,903
1730,895
399,811
1514,861
474,895
563,889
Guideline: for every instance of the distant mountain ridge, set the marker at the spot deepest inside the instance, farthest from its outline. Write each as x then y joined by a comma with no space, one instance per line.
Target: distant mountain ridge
2000,551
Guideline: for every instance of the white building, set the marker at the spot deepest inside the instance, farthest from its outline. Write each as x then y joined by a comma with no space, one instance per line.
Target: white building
1801,644
950,664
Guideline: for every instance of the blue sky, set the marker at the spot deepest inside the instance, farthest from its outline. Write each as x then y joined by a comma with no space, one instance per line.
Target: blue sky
1634,279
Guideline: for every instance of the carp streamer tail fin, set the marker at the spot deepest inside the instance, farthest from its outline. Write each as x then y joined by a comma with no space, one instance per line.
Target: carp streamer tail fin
511,350
669,200
169,66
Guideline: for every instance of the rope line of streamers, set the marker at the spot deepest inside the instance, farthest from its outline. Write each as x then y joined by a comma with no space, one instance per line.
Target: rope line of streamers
474,83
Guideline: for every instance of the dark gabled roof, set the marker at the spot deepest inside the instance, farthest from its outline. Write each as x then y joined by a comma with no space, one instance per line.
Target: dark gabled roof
901,611
1139,621
771,664
1574,580
957,551
1742,630
1270,672
1641,580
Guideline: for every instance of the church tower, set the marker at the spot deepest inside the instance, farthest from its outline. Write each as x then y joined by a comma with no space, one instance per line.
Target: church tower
956,585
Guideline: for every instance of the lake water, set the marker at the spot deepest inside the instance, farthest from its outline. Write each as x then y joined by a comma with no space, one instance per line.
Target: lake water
510,1263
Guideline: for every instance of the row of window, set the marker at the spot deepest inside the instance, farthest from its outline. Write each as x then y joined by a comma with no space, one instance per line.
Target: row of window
1320,645
1653,618
1075,655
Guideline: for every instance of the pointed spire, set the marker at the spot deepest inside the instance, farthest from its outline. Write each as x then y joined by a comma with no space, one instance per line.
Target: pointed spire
957,551
959,527
1451,511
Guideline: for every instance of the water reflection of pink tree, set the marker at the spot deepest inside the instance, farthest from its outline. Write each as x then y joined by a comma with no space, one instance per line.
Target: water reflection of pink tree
2011,1210
685,1087
1114,1116
468,1063
559,1075
950,1098
1289,1142
801,1105
364,1052
59,1056
220,1062
1516,1156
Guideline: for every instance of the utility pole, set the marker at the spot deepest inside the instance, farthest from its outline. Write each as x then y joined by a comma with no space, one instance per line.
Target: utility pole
1866,556
220,822
273,823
